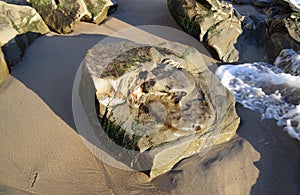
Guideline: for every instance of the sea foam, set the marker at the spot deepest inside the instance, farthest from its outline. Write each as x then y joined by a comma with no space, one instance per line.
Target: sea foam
269,89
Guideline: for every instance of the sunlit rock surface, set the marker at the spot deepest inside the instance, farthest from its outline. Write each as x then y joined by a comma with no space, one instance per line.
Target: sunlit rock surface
161,104
274,91
214,22
62,15
15,20
240,30
293,26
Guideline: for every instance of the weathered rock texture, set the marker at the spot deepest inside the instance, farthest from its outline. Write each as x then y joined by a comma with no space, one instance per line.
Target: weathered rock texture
160,104
61,15
230,32
19,25
293,26
289,61
215,23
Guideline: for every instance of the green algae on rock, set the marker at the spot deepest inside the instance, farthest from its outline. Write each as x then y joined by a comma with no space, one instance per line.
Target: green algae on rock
62,15
213,22
16,22
159,104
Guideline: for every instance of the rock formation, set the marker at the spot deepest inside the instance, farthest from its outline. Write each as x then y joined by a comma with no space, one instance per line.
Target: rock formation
230,31
19,25
61,15
160,104
214,22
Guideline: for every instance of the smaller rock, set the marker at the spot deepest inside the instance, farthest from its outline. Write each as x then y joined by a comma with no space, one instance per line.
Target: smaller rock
19,26
99,9
225,48
54,16
216,23
293,26
278,37
289,61
62,15
15,20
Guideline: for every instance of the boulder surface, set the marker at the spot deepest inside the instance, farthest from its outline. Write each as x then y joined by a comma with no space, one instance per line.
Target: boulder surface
159,104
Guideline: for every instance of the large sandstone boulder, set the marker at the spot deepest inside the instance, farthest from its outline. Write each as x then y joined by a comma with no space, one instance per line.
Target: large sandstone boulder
17,23
62,15
160,104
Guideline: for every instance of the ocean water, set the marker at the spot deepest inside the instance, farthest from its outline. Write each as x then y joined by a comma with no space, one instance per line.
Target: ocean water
272,90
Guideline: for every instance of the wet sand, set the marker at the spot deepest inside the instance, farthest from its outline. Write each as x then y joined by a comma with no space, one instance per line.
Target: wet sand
42,153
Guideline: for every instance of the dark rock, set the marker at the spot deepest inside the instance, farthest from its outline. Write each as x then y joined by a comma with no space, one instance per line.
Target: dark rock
278,37
261,3
242,1
13,50
17,2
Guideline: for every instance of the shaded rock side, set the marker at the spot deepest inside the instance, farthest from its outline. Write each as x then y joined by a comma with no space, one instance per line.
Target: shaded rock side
62,15
158,104
283,33
17,21
216,23
14,49
269,27
3,68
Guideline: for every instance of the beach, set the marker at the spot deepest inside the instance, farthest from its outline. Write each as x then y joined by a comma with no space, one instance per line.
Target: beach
42,152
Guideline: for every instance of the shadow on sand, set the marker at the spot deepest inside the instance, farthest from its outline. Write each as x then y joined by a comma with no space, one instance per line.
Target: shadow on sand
278,166
52,74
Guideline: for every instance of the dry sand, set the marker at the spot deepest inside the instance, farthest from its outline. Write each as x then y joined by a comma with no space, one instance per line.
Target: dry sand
42,153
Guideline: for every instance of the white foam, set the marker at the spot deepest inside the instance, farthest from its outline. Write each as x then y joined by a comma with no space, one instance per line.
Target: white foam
265,88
